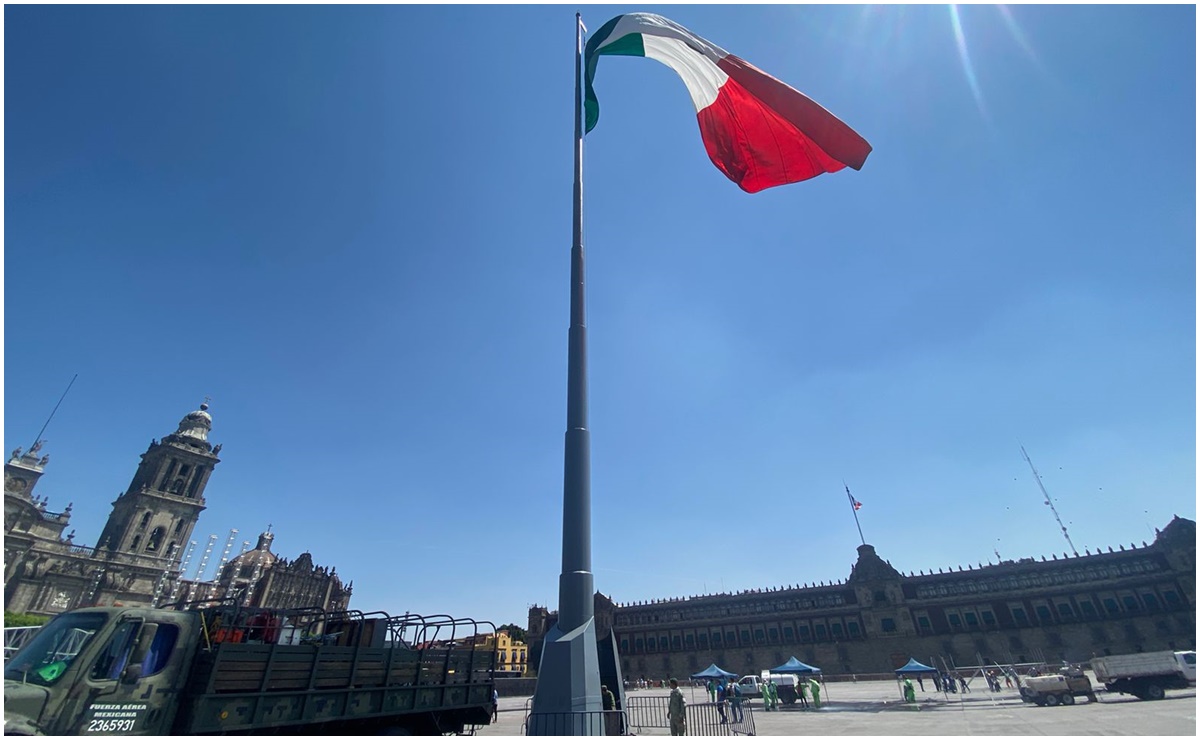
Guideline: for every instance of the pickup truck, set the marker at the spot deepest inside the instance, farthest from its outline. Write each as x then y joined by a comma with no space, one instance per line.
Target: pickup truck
143,671
786,684
1146,675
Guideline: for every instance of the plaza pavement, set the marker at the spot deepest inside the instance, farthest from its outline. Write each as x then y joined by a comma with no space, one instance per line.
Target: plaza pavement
874,708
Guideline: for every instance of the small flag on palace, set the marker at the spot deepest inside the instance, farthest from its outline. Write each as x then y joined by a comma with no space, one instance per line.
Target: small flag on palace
756,129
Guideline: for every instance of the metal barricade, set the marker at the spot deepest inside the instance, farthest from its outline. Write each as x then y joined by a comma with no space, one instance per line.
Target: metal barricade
705,718
599,722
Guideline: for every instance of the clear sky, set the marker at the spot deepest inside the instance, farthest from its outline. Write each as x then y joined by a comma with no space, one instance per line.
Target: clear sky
350,227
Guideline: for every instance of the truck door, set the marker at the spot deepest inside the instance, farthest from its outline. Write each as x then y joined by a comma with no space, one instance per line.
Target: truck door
135,680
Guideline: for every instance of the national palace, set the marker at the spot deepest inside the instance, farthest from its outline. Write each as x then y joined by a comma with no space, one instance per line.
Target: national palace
1127,599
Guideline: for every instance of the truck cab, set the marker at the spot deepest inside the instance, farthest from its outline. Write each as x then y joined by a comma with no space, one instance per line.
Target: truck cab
103,670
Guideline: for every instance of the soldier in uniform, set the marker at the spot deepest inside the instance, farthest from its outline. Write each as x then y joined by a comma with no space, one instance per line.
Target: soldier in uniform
675,710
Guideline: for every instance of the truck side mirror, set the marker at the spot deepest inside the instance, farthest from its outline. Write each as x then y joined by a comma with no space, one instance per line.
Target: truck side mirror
145,639
132,673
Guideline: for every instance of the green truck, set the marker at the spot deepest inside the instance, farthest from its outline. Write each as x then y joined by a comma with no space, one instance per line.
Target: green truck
230,670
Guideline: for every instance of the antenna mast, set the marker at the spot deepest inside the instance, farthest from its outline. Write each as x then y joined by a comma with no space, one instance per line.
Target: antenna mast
1049,503
52,413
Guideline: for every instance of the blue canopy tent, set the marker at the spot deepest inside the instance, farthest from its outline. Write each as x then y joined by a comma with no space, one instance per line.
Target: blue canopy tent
913,667
714,672
795,666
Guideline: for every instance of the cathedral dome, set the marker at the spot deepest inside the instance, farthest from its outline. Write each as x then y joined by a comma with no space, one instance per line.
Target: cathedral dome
258,560
197,424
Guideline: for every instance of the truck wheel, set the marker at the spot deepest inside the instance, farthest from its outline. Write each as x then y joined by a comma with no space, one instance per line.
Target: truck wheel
1051,700
1068,700
1154,691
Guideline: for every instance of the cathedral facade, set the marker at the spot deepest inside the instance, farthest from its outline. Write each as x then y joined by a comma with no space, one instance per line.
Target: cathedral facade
1071,608
137,560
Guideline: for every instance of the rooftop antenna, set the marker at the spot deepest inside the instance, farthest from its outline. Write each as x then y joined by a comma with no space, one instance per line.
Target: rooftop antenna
1049,503
60,400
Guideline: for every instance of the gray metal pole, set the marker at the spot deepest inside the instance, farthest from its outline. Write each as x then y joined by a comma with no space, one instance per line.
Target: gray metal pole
567,698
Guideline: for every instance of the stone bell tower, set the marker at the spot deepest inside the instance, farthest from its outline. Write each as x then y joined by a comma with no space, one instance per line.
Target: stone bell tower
156,514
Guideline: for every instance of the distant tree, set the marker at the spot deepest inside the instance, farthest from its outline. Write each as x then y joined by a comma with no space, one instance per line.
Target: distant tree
513,631
13,619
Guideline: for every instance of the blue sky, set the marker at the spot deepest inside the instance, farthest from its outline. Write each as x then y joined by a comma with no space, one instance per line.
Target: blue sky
350,227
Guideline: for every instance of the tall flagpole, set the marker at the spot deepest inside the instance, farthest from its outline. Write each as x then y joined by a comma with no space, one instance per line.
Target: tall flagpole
567,698
854,510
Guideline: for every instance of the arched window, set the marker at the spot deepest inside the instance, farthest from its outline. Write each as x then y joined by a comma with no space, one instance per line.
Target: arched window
133,546
155,540
145,520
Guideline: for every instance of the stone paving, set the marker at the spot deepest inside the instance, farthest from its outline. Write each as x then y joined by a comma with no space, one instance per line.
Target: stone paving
874,708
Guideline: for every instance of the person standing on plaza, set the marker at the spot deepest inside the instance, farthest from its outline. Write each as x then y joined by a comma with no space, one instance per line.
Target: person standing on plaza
937,683
735,701
722,697
962,682
675,710
816,692
495,705
921,683
910,694
802,692
712,690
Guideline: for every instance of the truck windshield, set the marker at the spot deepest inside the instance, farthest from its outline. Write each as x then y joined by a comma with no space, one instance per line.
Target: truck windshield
52,649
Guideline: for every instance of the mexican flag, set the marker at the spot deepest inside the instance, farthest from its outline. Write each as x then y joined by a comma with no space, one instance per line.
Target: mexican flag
757,130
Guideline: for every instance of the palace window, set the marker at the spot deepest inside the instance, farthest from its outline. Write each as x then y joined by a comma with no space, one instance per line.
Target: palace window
1043,614
821,634
637,645
716,639
1151,602
745,637
972,620
1087,608
1110,606
989,619
1064,610
955,621
804,632
759,635
676,642
853,629
887,624
836,629
1131,604
663,643
773,633
788,634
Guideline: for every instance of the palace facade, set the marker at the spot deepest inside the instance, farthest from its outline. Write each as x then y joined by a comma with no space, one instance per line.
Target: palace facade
1070,608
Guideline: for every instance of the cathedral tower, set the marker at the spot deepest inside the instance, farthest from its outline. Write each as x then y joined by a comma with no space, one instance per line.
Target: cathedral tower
156,514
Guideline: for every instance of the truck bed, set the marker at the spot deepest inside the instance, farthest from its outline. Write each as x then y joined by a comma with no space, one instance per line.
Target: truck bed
241,687
1137,664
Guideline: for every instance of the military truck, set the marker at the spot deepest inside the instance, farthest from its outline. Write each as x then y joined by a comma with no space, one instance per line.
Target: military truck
225,669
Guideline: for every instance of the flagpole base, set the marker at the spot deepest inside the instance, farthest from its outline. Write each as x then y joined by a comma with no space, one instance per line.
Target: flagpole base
567,698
